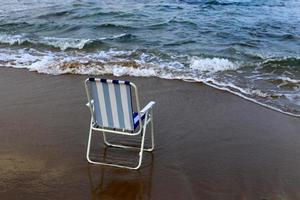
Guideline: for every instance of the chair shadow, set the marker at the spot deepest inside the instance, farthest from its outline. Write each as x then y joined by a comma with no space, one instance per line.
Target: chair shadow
116,183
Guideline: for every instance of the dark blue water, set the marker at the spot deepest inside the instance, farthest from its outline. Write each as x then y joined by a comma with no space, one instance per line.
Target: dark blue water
248,47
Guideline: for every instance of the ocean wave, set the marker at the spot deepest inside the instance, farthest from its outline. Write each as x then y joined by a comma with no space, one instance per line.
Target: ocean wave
27,57
242,3
284,110
250,44
172,22
290,37
112,26
286,83
282,62
12,39
15,25
94,13
178,43
212,64
141,64
55,14
60,43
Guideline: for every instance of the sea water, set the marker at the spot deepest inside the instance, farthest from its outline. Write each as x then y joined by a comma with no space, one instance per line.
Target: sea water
248,47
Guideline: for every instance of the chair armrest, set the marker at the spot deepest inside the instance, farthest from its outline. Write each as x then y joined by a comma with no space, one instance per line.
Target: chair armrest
88,104
148,107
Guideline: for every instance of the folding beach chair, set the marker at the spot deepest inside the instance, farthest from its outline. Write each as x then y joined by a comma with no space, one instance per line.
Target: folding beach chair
111,107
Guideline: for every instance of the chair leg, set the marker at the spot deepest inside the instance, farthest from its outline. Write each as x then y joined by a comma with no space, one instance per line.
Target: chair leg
142,148
152,133
116,165
106,142
89,144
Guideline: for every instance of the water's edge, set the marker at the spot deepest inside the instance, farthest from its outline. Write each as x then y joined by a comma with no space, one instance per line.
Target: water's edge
204,82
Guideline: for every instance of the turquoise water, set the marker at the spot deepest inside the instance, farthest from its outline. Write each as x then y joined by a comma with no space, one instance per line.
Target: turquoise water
248,47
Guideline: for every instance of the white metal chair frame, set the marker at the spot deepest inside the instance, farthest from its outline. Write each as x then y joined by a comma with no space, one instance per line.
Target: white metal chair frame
147,110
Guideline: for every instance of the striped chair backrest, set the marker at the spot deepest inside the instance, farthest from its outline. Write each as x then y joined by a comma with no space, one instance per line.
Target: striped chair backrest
112,103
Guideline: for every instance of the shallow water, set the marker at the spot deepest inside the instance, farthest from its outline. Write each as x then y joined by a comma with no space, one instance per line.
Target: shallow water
248,47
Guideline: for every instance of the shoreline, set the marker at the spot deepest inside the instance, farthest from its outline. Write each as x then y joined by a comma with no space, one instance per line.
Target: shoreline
210,144
211,83
253,100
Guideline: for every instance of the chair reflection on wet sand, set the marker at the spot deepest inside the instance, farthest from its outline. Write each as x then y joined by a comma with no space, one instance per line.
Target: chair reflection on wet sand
116,183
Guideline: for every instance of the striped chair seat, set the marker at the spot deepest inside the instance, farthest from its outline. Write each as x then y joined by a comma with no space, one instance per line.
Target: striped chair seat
113,104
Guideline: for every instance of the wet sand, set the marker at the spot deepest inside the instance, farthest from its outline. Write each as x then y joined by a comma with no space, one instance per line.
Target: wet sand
209,144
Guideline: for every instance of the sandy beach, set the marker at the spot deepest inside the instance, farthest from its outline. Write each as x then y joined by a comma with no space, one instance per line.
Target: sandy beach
209,144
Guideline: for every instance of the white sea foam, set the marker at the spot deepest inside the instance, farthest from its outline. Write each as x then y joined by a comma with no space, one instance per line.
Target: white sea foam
113,37
212,64
65,43
61,43
116,63
12,39
288,79
250,99
121,71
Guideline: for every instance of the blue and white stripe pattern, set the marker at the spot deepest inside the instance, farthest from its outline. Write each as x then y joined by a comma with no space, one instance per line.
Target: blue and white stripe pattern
112,103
